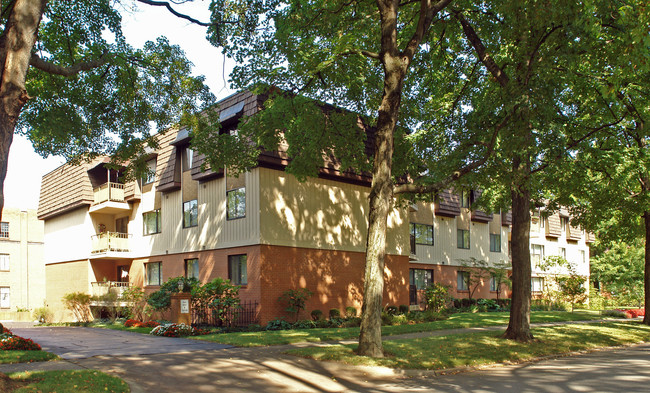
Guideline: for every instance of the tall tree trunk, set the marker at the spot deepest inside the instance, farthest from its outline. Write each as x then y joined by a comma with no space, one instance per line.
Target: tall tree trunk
381,200
16,43
519,324
646,276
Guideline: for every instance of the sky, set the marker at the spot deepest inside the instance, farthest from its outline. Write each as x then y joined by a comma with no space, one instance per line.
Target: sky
26,168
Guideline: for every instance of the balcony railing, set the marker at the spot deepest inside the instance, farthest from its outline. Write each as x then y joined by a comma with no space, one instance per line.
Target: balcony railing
110,241
105,287
109,192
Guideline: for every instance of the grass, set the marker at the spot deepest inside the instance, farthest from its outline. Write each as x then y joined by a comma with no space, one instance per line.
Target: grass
473,349
68,381
26,356
455,321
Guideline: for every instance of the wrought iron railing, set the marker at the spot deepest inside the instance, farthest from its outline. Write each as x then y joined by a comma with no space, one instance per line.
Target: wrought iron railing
246,314
105,287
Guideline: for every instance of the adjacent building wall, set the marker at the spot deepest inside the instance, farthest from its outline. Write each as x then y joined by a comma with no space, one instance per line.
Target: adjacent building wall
25,278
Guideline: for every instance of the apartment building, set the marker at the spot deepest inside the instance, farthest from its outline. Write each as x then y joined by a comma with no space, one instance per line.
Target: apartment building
22,272
263,230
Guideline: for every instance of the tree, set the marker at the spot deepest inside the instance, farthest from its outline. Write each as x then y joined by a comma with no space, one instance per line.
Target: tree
541,58
609,185
74,87
478,273
369,58
619,271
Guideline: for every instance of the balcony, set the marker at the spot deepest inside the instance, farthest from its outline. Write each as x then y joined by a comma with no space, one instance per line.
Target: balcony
109,199
111,245
108,293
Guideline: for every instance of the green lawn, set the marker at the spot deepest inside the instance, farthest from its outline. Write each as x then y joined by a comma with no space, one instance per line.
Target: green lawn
472,349
461,320
26,356
69,381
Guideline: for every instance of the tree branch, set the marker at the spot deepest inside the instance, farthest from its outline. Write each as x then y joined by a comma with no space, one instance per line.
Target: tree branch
438,186
482,53
361,52
50,68
427,12
178,14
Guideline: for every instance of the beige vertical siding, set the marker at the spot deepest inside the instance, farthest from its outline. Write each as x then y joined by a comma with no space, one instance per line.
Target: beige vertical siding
445,251
321,214
67,237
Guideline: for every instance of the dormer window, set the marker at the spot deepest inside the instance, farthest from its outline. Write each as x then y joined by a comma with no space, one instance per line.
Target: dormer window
464,199
188,157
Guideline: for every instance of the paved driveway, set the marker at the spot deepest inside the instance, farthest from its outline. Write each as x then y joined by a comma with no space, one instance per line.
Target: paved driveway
81,342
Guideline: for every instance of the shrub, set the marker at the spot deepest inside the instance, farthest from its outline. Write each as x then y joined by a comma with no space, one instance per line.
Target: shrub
131,323
316,315
173,330
295,300
17,343
254,327
218,297
304,324
425,316
437,296
136,303
403,309
633,313
161,300
614,314
392,310
325,323
350,312
2,328
149,324
79,304
43,315
352,322
278,324
488,305
335,313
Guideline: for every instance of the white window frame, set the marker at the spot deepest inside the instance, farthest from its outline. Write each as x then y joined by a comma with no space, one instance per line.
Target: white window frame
5,262
236,274
4,229
496,242
150,276
192,268
238,210
462,280
5,297
537,284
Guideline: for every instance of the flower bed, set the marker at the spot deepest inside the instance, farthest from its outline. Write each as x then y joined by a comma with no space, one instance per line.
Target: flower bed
11,342
178,330
633,313
136,323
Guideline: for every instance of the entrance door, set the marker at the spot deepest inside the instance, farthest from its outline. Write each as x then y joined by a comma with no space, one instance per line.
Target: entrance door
123,273
121,225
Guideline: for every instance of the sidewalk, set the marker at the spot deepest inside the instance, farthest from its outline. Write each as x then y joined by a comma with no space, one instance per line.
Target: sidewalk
252,369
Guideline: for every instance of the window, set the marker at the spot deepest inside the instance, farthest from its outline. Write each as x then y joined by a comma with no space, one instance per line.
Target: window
563,223
583,257
150,177
463,281
151,222
4,262
236,200
422,233
536,253
421,278
4,297
495,242
464,199
188,159
537,284
563,252
494,286
463,238
237,269
192,268
190,214
154,273
4,229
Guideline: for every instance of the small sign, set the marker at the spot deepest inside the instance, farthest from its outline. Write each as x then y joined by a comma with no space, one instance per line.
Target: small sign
185,306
